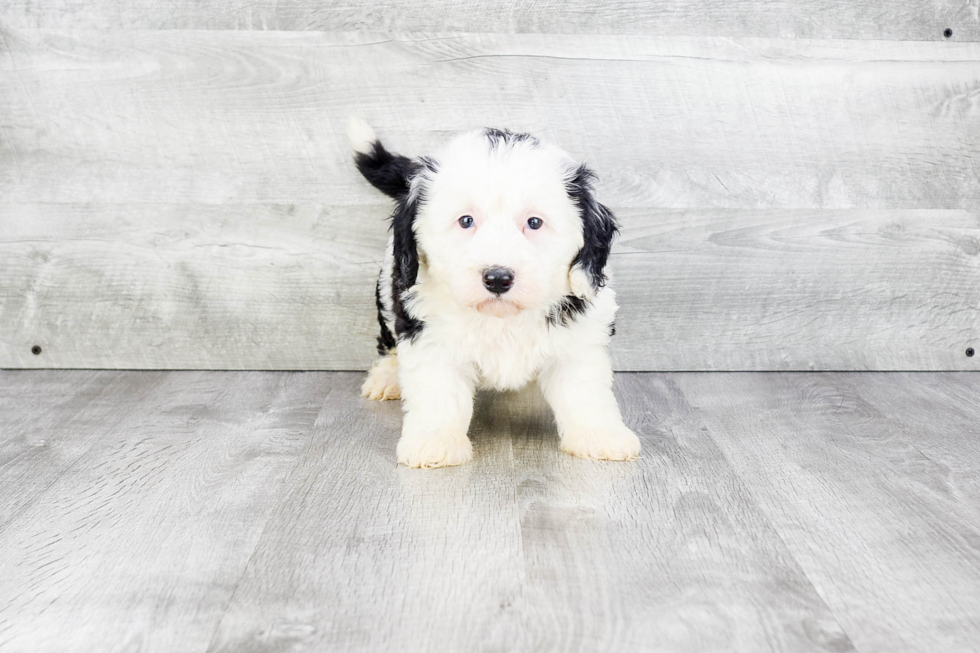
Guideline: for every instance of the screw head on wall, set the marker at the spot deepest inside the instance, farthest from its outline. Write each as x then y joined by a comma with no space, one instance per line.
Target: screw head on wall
36,350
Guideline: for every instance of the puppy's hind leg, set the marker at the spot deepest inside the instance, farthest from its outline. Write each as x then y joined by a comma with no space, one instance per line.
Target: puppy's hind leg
382,380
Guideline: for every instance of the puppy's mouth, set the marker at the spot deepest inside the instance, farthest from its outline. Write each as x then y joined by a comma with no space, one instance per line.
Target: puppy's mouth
499,307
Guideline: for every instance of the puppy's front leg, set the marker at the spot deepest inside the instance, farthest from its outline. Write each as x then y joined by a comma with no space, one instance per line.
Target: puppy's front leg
579,389
438,403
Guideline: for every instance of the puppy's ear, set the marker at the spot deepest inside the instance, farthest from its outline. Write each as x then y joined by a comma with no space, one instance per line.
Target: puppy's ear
406,251
588,271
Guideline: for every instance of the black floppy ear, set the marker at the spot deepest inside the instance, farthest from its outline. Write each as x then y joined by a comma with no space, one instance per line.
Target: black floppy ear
405,268
587,274
406,251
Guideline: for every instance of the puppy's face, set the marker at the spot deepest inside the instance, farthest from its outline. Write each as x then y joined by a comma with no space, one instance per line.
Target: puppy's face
496,223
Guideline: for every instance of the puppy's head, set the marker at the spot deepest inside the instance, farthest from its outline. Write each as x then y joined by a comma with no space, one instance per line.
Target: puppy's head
503,222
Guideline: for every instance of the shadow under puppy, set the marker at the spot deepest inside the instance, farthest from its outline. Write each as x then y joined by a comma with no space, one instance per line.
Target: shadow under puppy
494,276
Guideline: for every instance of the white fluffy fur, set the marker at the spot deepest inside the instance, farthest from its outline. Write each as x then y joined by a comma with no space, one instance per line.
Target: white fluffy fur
360,135
472,339
382,381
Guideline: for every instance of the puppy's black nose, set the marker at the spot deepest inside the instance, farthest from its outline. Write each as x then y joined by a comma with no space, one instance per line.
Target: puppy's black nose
498,280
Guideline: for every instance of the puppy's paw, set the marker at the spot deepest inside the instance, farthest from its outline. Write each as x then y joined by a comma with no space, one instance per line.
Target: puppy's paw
616,442
437,449
382,380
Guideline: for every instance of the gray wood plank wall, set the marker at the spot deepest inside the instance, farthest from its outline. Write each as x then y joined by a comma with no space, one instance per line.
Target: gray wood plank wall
177,193
829,19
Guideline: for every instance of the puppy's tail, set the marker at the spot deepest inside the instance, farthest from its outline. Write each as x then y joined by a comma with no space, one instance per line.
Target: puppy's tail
388,172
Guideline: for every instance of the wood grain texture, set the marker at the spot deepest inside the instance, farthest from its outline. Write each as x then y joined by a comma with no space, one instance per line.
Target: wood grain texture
248,511
152,515
889,19
364,555
875,498
200,287
47,427
671,555
158,286
936,449
524,549
243,117
186,199
798,290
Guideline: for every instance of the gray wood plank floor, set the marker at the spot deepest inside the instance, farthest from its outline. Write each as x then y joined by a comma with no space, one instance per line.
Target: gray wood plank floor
262,511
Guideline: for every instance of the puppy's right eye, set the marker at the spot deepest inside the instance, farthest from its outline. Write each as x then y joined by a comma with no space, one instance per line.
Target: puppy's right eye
466,221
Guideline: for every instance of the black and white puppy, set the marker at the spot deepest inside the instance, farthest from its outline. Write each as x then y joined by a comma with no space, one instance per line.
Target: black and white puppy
494,275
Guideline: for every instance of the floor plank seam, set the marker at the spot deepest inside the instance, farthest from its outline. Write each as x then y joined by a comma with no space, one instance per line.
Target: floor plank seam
283,493
37,496
757,504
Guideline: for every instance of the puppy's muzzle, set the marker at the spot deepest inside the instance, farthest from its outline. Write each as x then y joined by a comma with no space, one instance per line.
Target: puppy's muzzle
498,280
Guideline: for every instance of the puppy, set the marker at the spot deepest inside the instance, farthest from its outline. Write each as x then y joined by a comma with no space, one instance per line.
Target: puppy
494,275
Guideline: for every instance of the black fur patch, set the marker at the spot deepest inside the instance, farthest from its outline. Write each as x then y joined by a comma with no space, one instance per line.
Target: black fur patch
507,137
598,225
565,311
406,251
389,173
406,266
386,341
392,174
406,326
612,329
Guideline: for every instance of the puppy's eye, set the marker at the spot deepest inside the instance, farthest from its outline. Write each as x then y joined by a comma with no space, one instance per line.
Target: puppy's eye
466,221
535,223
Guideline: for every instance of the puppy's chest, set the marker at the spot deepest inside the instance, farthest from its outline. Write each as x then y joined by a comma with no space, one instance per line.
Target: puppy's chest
507,356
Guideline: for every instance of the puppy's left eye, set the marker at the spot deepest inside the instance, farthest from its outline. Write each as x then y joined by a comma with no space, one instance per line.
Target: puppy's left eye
466,221
535,223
